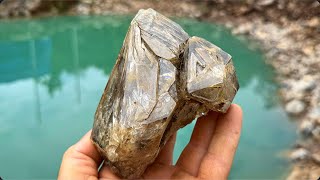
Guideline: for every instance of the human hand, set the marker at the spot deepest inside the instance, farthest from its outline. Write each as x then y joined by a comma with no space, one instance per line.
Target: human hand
208,155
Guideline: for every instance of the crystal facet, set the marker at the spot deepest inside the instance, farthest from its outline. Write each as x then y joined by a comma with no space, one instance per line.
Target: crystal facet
162,80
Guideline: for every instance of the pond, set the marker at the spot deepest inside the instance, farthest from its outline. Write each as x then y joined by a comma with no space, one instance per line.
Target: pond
53,72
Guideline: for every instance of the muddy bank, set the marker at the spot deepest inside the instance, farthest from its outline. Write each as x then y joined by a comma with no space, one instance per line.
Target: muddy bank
288,32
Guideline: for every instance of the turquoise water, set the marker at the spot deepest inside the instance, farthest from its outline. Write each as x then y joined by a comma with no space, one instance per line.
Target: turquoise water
53,72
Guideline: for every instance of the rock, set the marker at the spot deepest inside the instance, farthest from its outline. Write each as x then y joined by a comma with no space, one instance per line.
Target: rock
18,8
295,107
4,14
83,9
162,80
32,4
308,50
305,84
299,154
265,2
314,113
316,132
242,29
314,172
316,158
314,22
306,128
296,173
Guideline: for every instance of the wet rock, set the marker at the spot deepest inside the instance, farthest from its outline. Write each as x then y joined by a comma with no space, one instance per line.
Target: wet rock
295,107
299,154
162,80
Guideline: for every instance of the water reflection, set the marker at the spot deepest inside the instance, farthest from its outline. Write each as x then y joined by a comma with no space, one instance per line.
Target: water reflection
75,53
32,50
53,72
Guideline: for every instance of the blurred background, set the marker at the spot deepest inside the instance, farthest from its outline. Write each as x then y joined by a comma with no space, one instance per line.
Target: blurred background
56,57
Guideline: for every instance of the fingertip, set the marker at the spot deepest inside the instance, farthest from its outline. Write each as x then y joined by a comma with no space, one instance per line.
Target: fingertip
84,143
86,147
237,108
233,117
234,113
237,113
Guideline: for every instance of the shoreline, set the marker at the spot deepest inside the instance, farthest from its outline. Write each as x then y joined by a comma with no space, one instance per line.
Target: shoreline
287,39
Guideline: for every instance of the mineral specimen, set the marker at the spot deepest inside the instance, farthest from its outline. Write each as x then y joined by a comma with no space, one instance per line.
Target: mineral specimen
162,80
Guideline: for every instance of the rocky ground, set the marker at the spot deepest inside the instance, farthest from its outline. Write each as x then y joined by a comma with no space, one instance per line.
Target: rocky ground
287,30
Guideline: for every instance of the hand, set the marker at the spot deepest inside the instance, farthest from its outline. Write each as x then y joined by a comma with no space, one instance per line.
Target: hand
208,155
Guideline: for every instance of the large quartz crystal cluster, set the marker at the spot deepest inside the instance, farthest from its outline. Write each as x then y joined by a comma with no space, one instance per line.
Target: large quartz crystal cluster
162,80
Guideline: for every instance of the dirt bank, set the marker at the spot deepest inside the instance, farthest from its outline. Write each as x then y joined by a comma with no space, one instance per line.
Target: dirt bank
288,32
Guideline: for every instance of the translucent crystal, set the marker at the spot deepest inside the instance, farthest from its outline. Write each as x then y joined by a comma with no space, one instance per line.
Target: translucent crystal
162,80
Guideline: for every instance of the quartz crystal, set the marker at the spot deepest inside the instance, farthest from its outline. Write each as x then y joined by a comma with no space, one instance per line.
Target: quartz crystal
162,80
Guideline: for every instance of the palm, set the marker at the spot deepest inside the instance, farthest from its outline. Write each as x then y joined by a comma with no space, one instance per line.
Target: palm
208,155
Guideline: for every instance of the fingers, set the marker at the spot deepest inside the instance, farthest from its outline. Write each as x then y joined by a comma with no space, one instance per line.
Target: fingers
192,155
86,147
218,160
166,154
80,160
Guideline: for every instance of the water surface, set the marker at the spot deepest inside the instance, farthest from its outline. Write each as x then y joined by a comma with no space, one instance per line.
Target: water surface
53,72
